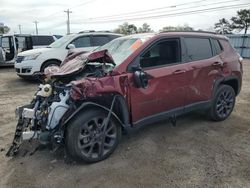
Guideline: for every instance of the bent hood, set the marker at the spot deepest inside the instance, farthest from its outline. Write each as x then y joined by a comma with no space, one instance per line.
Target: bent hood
77,61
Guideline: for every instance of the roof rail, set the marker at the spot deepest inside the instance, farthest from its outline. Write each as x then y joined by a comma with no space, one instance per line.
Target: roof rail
209,32
105,31
87,31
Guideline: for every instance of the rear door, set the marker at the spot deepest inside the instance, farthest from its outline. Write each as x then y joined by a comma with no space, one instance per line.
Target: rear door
203,68
166,88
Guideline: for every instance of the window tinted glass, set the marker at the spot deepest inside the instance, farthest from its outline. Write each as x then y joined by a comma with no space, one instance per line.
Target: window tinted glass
198,48
81,42
42,40
112,37
100,40
163,53
217,46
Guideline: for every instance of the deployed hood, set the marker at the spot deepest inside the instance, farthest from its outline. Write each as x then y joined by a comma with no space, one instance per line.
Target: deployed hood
76,62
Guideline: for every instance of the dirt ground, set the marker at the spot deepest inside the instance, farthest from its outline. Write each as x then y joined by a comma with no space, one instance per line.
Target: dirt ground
196,153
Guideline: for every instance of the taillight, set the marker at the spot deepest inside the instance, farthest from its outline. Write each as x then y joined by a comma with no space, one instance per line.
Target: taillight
240,59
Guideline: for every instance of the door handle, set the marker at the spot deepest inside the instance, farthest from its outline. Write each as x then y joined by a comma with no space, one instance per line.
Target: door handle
179,72
217,63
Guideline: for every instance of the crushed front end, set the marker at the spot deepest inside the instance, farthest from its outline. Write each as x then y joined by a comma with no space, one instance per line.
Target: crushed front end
55,99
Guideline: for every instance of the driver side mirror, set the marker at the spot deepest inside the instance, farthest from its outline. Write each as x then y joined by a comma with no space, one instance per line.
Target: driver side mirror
141,79
71,46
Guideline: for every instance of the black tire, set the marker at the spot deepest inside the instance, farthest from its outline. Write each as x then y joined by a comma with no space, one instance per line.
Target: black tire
87,139
222,103
50,63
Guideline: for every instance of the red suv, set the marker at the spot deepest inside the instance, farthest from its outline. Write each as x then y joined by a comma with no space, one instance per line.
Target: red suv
128,83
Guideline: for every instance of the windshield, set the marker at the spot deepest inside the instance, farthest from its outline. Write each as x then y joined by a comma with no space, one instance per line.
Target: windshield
123,47
60,42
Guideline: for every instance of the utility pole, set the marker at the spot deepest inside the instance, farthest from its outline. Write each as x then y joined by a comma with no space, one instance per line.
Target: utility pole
36,22
19,26
68,27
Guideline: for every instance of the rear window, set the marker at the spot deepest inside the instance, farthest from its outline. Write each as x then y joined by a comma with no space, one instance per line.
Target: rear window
100,40
198,48
217,46
42,40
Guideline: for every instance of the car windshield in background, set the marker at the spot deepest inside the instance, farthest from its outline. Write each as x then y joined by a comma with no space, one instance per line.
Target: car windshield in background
60,42
123,47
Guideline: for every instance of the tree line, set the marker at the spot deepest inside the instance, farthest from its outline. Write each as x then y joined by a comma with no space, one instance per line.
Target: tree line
237,23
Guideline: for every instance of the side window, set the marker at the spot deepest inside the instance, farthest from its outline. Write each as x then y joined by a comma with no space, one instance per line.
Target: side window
198,48
42,40
112,37
82,42
217,46
100,40
162,53
5,42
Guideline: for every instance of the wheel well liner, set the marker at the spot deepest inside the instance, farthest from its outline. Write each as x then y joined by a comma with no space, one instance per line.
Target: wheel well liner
121,114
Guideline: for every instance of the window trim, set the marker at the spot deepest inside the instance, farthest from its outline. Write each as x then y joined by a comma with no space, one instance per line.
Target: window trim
136,61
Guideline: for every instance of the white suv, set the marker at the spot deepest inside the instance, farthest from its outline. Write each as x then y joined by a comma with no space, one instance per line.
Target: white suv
36,60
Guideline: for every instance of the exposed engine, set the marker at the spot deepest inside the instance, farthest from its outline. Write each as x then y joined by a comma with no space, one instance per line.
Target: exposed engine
42,118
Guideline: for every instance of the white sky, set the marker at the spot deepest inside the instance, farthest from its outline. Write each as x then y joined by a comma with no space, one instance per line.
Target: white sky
52,19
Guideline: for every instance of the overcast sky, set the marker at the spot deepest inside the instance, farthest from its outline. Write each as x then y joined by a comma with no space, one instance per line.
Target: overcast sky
93,14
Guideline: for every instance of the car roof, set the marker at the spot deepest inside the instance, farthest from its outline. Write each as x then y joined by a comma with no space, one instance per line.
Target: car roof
192,33
94,33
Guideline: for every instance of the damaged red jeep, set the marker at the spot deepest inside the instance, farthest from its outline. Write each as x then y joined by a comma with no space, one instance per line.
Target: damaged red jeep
87,102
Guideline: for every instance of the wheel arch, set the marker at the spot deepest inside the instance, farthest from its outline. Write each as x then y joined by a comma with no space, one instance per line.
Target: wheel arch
232,81
121,113
48,60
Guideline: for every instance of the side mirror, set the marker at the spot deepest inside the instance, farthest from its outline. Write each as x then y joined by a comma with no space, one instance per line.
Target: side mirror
71,46
141,79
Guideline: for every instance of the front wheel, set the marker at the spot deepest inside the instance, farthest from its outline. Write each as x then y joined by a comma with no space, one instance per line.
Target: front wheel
223,103
90,139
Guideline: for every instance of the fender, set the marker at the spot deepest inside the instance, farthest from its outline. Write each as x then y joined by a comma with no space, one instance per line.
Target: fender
125,117
225,79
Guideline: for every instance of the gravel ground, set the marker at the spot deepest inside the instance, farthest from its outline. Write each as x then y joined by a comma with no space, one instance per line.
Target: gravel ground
196,153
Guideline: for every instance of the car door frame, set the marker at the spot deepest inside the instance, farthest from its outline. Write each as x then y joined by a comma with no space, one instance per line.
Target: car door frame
164,114
197,66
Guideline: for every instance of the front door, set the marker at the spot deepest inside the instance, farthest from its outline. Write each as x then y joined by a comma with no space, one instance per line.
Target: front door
8,46
166,87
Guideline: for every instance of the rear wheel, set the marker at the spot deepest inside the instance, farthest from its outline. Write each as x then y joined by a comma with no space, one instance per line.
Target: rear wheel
223,103
90,139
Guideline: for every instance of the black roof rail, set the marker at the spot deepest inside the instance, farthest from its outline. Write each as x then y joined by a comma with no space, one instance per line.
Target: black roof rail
208,32
87,31
105,31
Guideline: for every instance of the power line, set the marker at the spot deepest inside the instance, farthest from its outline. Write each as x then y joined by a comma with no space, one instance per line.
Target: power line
73,7
172,14
68,24
144,13
149,10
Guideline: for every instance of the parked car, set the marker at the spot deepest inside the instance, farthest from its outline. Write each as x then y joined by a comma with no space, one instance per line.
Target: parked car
14,44
33,61
130,82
